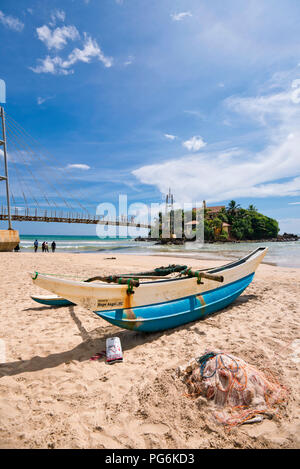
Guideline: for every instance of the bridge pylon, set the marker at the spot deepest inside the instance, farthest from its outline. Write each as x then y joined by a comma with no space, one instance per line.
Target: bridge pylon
8,238
5,177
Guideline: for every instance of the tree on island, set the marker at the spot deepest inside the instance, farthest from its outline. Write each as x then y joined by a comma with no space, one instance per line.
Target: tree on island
249,224
232,208
245,224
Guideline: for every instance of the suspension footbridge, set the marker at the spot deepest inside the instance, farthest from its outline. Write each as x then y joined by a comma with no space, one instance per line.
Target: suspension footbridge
67,218
38,189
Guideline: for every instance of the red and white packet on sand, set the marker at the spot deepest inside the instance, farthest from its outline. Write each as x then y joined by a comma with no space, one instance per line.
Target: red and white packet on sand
113,350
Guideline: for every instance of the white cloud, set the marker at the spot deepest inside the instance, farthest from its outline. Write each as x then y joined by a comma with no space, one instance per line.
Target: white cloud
277,111
270,172
180,16
41,100
58,66
129,61
194,143
194,113
11,22
90,50
53,65
294,203
84,167
57,38
18,156
170,137
57,15
223,176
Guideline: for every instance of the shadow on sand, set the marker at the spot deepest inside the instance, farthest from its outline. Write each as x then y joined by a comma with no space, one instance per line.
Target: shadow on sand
95,341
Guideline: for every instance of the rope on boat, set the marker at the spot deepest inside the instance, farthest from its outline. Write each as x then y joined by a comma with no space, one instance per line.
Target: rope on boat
132,280
74,276
199,274
164,271
158,272
130,287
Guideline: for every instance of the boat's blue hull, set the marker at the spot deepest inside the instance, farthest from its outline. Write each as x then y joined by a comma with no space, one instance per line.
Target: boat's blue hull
52,301
172,314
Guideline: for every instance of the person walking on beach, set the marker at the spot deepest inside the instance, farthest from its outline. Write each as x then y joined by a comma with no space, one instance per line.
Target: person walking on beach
36,245
53,246
43,246
46,247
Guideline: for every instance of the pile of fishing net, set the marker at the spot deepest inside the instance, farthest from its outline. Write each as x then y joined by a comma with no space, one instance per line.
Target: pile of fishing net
239,391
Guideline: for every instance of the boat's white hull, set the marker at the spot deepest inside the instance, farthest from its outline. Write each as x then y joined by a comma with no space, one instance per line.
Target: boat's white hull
99,296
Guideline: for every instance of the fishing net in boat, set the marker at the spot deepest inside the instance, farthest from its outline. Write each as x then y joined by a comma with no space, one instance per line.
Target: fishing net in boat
238,390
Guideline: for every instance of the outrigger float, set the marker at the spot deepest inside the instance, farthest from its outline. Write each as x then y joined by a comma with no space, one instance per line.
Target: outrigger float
158,302
52,300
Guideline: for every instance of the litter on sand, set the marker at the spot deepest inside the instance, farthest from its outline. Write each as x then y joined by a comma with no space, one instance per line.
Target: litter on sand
113,350
239,391
99,355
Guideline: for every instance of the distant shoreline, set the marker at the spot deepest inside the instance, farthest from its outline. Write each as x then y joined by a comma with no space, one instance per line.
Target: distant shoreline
180,241
206,256
217,256
280,253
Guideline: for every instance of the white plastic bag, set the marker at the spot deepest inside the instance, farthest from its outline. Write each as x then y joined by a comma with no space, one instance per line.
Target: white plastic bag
113,350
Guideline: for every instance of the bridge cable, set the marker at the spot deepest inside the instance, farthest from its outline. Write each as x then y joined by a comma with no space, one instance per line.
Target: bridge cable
22,181
21,131
59,182
16,137
20,153
19,179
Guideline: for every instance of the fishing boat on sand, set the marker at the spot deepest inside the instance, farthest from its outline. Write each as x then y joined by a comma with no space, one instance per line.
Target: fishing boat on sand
152,301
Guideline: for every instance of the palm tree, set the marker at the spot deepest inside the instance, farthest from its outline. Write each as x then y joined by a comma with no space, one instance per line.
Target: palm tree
252,208
233,207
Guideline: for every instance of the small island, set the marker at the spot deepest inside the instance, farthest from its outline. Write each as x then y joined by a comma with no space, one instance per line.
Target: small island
226,224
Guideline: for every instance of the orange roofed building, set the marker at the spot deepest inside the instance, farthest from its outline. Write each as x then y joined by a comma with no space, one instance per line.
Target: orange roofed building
213,211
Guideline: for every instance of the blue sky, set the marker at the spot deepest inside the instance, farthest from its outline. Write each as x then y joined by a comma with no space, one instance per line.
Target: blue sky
134,96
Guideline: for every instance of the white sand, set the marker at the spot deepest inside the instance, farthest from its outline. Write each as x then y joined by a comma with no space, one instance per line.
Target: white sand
53,396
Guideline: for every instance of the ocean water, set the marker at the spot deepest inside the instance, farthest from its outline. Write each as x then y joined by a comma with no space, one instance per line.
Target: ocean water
286,254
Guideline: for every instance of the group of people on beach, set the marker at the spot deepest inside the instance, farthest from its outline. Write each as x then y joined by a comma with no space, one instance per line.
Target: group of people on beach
45,247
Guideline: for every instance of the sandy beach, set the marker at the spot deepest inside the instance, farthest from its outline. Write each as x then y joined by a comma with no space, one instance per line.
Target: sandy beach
53,396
